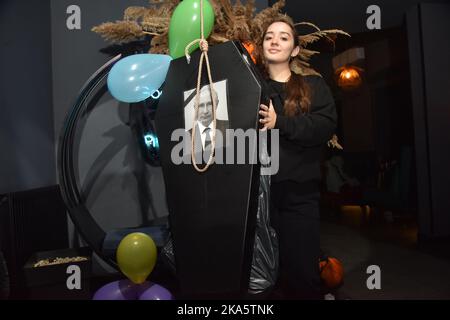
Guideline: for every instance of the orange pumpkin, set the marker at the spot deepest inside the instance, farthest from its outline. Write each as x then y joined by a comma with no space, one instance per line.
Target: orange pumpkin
331,272
250,47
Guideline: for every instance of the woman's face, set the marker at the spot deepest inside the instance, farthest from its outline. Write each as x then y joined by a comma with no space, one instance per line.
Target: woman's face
278,43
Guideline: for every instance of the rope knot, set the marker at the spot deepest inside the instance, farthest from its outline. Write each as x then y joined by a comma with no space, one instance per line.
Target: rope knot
203,45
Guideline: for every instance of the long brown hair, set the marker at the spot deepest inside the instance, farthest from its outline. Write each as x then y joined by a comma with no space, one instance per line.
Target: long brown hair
298,92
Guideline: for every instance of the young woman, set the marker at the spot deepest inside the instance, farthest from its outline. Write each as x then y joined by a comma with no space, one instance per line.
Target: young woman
303,110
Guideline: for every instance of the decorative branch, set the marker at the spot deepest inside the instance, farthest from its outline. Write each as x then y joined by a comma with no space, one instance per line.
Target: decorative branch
232,22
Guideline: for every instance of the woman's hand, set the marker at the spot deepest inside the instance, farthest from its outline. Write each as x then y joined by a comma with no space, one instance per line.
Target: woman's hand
269,116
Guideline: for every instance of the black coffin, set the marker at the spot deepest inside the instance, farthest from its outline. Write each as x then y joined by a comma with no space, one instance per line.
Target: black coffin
212,214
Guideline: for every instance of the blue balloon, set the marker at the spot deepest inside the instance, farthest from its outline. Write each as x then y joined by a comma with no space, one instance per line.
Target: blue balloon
138,77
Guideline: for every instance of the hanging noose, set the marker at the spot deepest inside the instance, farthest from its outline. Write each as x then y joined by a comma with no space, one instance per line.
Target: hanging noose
204,48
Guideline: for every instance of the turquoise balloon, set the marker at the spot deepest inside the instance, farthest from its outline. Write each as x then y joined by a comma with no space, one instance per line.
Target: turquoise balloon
184,25
137,77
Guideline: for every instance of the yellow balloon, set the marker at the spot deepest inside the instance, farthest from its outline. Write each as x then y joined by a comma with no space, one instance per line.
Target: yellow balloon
136,256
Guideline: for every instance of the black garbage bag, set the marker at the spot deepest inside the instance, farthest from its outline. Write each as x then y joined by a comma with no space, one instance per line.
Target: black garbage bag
264,270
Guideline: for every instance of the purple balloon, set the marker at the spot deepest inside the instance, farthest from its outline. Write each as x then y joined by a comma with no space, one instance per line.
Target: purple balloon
118,290
155,292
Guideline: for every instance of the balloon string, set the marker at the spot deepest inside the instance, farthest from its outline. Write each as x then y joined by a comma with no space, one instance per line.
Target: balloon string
204,48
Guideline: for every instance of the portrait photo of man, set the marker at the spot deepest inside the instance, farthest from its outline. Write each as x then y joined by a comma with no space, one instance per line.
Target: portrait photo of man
204,123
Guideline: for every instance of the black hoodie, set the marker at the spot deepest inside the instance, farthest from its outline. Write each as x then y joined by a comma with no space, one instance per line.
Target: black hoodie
303,137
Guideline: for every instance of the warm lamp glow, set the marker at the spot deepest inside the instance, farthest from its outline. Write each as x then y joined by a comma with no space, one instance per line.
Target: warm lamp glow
349,78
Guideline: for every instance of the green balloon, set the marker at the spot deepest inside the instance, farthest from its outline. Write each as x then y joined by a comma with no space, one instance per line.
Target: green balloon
185,25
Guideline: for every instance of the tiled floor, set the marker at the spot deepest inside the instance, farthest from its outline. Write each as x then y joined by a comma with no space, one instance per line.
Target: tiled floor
408,271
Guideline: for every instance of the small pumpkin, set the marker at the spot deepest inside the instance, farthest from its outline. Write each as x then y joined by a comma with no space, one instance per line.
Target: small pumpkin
331,272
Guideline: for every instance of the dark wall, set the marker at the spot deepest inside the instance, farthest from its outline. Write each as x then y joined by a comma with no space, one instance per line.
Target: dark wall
428,25
76,53
26,117
391,123
349,15
106,156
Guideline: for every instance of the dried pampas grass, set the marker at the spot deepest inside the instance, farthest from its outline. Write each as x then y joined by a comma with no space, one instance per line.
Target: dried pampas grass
232,22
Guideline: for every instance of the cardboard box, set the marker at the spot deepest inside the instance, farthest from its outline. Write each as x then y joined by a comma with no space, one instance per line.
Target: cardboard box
53,281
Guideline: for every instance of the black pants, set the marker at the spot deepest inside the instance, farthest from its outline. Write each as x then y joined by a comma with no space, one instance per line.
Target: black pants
295,217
